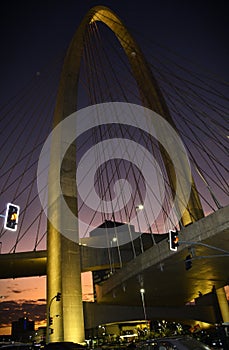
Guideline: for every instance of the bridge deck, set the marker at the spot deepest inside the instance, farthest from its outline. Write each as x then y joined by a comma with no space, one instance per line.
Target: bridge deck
166,281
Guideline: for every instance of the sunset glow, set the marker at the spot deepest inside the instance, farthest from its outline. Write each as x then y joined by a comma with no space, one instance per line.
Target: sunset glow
27,296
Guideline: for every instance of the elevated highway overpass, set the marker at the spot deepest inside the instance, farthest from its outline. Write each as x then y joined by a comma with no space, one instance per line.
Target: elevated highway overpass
158,270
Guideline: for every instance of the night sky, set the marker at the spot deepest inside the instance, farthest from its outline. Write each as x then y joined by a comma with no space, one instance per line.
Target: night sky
34,32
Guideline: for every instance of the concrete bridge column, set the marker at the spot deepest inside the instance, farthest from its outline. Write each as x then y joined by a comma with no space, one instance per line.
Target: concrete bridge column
63,251
223,304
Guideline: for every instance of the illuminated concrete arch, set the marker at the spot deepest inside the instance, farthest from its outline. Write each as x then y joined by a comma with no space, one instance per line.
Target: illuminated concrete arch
63,267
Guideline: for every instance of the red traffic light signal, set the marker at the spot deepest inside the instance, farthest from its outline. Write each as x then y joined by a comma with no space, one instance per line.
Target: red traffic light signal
173,240
11,217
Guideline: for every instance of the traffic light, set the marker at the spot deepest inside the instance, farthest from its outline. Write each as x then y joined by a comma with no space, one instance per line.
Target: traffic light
11,217
58,296
173,240
188,262
50,321
51,331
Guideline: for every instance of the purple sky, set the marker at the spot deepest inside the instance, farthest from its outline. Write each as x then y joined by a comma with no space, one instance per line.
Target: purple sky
34,32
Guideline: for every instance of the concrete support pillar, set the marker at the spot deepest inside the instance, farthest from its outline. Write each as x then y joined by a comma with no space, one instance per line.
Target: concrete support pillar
63,250
223,304
64,276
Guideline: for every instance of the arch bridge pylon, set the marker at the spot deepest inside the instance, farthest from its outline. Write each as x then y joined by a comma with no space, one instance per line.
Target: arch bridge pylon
63,259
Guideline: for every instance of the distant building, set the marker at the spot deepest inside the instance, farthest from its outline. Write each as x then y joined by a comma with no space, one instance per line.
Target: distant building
22,330
110,234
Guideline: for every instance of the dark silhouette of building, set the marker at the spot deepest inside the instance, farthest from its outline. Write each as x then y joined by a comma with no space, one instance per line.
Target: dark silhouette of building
23,329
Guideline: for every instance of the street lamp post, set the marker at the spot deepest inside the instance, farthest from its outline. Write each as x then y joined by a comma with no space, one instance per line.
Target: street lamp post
131,239
142,292
140,207
114,240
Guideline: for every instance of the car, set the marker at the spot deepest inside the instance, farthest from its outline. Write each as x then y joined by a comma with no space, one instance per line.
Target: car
171,343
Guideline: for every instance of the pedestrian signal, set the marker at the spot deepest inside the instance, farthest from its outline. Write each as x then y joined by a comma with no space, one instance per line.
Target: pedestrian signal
11,217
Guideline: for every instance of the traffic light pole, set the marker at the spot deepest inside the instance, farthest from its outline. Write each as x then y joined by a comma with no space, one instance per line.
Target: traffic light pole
57,297
189,258
174,242
205,245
